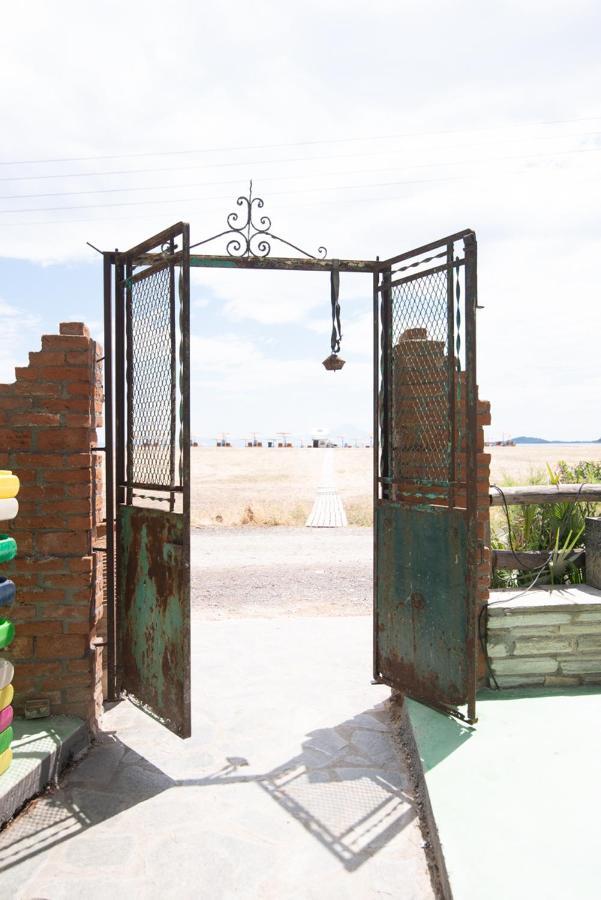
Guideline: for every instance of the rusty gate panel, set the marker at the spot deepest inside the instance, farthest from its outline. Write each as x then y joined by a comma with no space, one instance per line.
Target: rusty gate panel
152,476
423,599
425,490
155,613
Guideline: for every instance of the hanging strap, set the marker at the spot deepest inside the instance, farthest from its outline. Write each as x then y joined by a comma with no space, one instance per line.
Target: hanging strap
334,292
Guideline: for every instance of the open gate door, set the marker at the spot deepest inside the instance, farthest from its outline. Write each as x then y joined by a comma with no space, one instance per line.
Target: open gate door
152,476
425,488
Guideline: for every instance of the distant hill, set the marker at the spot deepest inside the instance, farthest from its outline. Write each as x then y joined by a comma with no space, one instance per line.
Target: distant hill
522,439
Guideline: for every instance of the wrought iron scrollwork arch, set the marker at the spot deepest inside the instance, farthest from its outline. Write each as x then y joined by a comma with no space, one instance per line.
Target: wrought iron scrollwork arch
250,234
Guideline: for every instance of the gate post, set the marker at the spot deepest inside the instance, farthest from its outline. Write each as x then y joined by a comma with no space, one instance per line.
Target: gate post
49,417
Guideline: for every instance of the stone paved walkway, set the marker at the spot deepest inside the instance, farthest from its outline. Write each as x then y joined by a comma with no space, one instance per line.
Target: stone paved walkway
290,787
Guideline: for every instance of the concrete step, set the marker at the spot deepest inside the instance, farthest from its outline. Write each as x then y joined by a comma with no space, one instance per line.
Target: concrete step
41,750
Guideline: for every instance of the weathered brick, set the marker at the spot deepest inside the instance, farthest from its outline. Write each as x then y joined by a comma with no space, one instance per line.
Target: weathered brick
40,669
40,628
16,403
79,490
33,419
78,389
63,439
77,328
47,358
70,580
65,342
75,694
73,506
78,665
71,612
80,358
15,439
38,389
77,420
79,523
42,595
82,627
21,647
61,646
65,543
69,476
81,564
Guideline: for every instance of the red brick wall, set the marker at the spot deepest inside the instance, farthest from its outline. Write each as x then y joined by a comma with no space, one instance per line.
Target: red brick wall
48,421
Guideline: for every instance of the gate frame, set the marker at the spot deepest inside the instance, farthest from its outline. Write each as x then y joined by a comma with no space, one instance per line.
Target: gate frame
249,248
383,333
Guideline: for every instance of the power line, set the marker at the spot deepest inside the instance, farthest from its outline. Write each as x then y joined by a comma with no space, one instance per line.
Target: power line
163,187
125,219
225,149
417,166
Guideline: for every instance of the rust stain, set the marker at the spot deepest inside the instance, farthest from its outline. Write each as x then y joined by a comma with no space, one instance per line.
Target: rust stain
154,613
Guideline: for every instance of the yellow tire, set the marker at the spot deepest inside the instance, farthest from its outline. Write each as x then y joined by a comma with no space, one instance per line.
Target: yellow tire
5,760
6,696
9,484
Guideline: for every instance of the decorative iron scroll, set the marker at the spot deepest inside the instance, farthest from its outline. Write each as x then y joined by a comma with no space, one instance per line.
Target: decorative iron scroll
248,232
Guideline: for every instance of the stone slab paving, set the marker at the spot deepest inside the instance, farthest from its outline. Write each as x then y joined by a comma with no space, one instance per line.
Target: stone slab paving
516,799
291,786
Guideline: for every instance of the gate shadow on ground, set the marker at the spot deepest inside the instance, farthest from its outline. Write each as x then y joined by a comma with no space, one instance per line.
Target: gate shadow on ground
346,787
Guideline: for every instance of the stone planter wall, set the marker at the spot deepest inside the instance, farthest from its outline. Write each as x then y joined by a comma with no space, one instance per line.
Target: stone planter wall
547,636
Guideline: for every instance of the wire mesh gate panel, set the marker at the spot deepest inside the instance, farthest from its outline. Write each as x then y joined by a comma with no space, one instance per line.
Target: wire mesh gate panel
152,465
425,479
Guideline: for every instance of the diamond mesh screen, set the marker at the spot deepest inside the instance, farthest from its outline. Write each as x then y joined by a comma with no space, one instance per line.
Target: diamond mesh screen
420,408
152,408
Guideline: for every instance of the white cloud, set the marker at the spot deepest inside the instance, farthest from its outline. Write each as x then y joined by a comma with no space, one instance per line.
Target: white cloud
18,329
458,87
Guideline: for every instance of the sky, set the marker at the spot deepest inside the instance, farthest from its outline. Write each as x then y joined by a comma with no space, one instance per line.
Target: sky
369,129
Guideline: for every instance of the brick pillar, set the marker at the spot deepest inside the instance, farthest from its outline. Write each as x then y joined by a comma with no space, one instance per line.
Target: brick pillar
48,420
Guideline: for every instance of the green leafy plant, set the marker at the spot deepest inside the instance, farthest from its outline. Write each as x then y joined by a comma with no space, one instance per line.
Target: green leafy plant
554,527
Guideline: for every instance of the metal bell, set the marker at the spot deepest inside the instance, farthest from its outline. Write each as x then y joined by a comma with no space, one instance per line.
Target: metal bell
333,363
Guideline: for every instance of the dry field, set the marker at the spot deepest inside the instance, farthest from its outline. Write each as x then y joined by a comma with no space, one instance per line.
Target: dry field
233,486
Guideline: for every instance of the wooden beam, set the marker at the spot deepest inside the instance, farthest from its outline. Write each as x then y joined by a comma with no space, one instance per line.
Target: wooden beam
526,560
541,493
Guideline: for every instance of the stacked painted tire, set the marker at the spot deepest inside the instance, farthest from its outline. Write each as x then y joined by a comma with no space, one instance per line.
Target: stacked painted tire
9,507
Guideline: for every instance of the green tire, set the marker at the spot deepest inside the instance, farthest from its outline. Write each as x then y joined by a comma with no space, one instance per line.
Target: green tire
8,548
6,738
7,633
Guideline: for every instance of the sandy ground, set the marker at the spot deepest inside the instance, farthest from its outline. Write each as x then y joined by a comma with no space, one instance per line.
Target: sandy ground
281,571
517,463
233,486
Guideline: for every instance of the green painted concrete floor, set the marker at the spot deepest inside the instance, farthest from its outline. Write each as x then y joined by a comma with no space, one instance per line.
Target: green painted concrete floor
517,799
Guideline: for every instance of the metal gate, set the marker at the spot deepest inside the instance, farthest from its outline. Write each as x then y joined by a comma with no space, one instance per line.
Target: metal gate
425,476
150,485
425,479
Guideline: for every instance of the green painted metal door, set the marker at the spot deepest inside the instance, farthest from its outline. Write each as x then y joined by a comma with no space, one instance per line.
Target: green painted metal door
152,467
426,542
